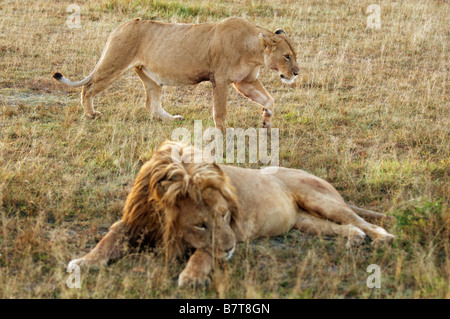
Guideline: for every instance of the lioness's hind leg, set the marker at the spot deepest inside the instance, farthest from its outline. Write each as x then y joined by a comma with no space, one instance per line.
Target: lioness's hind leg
86,102
101,80
113,245
116,59
317,226
153,93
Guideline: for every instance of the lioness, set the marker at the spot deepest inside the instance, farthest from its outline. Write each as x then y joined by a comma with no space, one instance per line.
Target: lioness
179,205
230,51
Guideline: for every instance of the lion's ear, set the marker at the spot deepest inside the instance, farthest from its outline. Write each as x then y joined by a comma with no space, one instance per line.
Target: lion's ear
217,168
161,188
233,206
268,43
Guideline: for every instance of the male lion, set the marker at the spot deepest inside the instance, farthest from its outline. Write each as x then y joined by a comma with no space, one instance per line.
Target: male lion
178,205
230,51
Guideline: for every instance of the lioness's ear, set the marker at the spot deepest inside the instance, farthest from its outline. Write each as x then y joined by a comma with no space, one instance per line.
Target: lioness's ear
267,43
280,31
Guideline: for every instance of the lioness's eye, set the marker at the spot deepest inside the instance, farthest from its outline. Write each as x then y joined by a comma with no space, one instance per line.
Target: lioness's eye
287,57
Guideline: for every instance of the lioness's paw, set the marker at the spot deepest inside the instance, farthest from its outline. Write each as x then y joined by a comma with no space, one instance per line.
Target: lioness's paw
221,128
178,118
189,279
93,115
266,124
164,116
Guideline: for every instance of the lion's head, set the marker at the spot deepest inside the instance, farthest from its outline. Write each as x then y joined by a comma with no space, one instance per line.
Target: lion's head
280,55
183,204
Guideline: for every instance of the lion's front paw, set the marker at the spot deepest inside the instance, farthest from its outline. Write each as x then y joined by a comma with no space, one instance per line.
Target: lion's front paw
190,278
87,262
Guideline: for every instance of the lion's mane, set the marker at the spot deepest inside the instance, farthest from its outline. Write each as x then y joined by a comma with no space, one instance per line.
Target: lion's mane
170,175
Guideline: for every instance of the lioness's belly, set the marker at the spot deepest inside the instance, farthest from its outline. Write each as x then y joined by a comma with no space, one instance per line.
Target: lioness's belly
267,208
178,79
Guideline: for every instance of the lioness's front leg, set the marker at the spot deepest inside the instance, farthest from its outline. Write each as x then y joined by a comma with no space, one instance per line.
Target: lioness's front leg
220,95
113,245
197,270
256,92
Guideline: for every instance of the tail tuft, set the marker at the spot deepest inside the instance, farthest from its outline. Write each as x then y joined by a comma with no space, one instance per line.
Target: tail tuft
60,78
57,76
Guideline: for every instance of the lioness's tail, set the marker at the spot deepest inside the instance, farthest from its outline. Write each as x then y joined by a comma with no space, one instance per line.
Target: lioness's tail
60,78
368,213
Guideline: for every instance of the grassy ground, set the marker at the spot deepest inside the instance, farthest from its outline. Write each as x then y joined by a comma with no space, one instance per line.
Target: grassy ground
369,113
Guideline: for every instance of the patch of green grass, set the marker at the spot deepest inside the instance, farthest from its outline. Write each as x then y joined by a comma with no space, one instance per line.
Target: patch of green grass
158,9
165,9
423,223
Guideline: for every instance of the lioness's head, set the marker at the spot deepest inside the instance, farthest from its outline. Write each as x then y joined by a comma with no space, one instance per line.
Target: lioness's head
279,55
198,203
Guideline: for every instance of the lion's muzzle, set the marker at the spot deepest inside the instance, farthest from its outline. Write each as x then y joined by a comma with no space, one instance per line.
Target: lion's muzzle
229,253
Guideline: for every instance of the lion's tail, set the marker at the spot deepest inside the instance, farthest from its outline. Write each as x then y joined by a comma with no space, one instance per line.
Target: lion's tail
368,213
60,78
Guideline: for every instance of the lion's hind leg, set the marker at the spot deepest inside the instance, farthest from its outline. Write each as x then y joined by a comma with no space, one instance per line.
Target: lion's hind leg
320,198
317,226
112,246
337,210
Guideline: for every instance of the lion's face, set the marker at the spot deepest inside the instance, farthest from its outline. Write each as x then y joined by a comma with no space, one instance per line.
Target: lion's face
194,204
280,56
206,225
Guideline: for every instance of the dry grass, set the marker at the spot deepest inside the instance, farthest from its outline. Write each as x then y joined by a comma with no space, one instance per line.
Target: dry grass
369,113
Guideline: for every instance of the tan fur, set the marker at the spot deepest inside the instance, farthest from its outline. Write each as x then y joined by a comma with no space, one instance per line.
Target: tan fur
177,205
228,52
